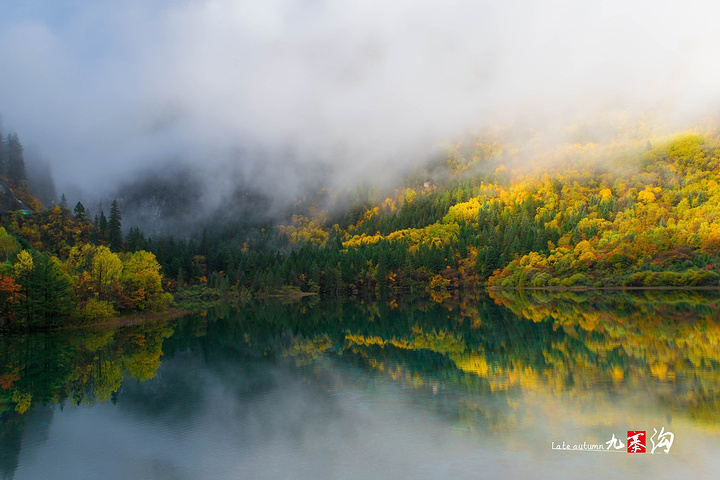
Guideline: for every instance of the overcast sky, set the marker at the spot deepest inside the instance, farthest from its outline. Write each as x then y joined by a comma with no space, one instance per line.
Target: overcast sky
102,88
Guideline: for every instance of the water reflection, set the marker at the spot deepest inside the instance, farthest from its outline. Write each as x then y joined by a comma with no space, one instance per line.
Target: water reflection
359,391
55,368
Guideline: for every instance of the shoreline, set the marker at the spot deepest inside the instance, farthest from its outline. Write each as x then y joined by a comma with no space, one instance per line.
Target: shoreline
293,294
580,289
134,319
174,313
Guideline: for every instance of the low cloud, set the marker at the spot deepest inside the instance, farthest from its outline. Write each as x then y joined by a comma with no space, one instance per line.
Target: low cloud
276,91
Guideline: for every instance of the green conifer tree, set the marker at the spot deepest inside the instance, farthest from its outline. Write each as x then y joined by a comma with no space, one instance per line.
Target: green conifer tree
102,227
80,213
15,160
114,228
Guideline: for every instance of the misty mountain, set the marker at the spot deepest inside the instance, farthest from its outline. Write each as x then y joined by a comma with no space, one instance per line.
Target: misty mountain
182,201
10,199
40,179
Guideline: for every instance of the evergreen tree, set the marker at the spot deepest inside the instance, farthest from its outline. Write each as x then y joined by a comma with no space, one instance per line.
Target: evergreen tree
15,160
102,227
63,202
382,273
203,250
80,213
135,240
114,228
46,293
3,156
94,237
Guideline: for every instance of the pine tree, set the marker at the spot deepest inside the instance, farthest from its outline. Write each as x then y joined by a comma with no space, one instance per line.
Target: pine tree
94,237
46,292
203,250
114,228
135,240
80,213
102,227
15,160
3,156
382,273
63,202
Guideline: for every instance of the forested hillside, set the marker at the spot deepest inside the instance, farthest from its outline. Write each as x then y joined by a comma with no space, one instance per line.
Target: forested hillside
623,214
58,266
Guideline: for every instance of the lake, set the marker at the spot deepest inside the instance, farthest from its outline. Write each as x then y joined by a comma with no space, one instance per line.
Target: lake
494,387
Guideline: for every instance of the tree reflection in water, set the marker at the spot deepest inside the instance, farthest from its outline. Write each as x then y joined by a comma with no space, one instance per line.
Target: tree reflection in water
478,364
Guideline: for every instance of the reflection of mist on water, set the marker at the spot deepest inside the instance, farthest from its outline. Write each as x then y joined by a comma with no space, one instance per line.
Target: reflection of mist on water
275,392
218,417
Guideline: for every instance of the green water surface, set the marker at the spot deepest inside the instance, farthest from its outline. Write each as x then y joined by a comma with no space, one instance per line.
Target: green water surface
482,388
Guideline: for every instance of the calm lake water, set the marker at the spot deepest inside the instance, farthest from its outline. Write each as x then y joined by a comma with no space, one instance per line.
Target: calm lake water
478,389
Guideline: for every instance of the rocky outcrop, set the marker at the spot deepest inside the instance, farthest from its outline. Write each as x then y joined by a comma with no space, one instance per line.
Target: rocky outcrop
9,201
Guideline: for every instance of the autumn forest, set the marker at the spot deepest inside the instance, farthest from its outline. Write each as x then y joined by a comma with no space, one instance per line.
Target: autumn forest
483,214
